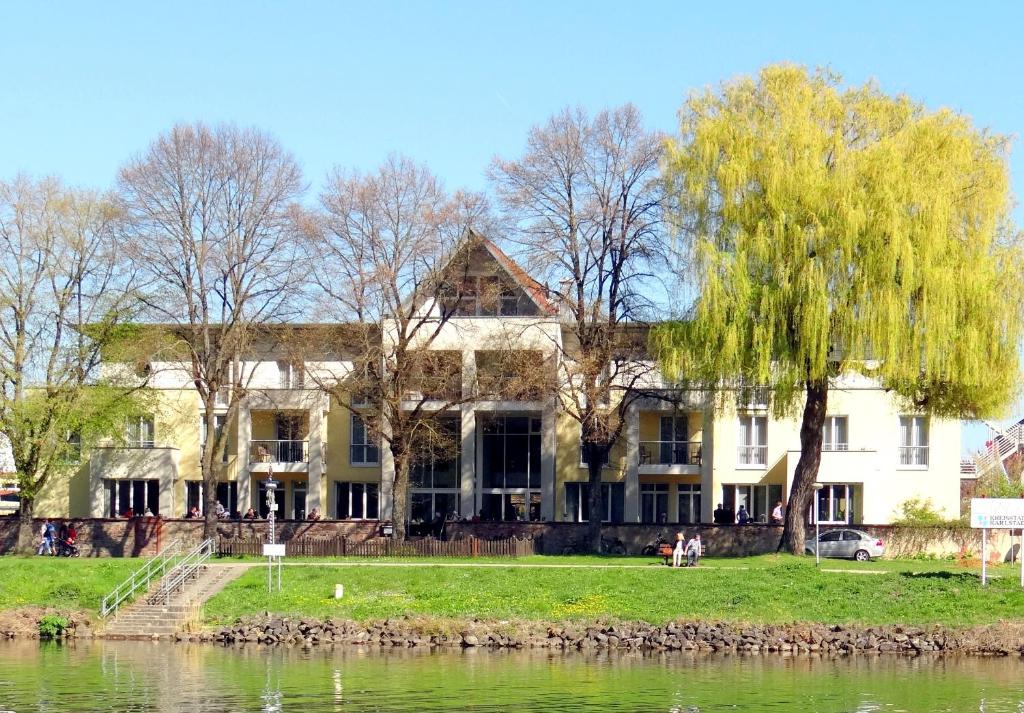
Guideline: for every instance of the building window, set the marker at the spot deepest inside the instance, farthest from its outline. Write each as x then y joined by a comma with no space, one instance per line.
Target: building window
511,455
757,500
835,504
753,441
435,475
138,432
362,450
835,434
298,500
604,461
134,496
73,454
219,419
689,503
357,501
262,502
482,297
577,502
291,374
914,441
654,502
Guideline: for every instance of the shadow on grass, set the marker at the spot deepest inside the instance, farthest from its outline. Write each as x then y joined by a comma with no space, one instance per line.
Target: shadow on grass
964,577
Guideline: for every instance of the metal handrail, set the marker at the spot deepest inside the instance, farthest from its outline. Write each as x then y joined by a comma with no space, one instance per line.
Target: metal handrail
182,571
139,579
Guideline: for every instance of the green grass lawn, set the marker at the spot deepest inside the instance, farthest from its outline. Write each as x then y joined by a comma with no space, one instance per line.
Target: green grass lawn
765,589
59,581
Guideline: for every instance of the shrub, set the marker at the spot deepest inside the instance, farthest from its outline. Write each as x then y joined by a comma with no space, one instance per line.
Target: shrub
53,626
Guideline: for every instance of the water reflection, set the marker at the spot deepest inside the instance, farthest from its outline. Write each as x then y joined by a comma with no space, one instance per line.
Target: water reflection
128,676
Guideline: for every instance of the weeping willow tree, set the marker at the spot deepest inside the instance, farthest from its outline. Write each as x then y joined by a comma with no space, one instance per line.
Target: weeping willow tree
838,229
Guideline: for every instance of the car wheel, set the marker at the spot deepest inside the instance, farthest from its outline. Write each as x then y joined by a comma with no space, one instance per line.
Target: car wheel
862,556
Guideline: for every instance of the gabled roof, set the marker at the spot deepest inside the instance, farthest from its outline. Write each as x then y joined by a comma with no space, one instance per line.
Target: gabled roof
536,291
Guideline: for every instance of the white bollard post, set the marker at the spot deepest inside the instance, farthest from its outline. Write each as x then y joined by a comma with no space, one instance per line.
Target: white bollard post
984,556
339,591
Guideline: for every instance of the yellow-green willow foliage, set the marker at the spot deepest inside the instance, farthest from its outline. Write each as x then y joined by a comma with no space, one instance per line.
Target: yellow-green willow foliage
836,228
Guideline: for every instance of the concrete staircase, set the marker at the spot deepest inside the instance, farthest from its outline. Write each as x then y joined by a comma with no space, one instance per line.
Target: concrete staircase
147,619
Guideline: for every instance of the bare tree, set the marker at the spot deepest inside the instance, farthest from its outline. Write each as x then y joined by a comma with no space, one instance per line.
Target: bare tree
64,296
391,249
586,203
211,223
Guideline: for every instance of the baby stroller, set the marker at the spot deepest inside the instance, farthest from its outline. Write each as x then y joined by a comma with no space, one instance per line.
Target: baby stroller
67,548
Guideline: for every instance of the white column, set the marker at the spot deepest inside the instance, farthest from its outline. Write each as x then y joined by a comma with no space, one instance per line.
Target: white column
245,500
315,467
631,509
548,446
467,476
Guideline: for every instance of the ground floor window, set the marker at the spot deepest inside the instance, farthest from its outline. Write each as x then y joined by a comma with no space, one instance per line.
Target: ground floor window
357,501
134,496
298,500
577,502
757,500
264,510
654,502
835,504
432,505
689,503
520,505
227,495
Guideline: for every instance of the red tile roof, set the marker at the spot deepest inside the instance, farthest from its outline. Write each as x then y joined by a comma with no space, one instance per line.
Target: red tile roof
537,291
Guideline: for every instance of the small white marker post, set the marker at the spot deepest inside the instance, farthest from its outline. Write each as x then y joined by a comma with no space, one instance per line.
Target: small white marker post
984,556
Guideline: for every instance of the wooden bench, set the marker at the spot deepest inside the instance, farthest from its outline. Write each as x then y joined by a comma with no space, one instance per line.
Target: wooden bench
665,552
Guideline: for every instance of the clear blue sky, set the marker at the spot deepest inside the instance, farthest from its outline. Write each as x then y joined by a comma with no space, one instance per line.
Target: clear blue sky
85,85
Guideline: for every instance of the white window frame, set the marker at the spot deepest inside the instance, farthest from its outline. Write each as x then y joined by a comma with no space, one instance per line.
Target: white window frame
829,439
692,492
365,444
748,453
573,512
913,450
290,374
140,423
347,484
653,491
202,433
604,464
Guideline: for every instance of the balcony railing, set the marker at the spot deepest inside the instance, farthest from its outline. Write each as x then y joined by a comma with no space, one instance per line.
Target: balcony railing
670,452
914,455
752,455
279,452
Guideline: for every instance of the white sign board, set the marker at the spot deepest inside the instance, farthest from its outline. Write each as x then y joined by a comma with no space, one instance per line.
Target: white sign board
273,550
997,513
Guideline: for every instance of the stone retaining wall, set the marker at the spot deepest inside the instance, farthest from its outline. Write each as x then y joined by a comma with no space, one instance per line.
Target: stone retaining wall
676,636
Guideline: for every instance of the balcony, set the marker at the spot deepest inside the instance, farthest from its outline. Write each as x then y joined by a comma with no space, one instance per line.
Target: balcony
752,456
670,457
914,457
283,456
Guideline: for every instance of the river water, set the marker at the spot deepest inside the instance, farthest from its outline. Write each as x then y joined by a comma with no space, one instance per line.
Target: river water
130,676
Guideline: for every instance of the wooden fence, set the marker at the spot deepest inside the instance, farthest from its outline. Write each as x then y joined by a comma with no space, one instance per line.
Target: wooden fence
384,547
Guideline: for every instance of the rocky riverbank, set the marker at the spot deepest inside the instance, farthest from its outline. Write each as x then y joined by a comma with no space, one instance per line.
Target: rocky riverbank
1004,639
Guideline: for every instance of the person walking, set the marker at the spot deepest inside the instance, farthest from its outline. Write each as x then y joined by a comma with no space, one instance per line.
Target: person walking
679,550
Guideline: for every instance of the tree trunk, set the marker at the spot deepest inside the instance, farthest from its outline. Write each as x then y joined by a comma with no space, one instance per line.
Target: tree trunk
28,538
209,475
400,494
594,453
806,473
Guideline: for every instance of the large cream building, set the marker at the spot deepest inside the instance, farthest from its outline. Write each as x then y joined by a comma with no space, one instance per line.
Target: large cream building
517,459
